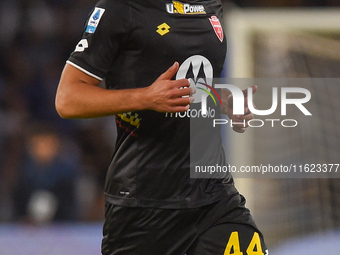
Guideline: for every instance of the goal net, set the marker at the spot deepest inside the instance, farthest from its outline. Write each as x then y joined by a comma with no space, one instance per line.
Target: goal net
290,207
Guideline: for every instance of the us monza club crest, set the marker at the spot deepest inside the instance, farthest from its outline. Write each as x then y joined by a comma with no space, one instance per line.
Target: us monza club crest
215,22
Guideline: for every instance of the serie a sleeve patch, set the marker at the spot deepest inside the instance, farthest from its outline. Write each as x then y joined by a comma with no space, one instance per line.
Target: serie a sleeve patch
94,20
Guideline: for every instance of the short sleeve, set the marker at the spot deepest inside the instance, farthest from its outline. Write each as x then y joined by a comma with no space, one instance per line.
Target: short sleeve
105,31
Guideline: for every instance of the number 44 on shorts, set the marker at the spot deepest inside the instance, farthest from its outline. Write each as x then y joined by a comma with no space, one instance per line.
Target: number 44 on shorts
254,248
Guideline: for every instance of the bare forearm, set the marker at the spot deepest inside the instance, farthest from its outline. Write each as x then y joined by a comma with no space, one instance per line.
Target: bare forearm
87,101
79,96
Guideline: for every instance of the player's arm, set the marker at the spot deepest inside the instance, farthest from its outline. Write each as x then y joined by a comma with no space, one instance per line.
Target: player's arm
79,96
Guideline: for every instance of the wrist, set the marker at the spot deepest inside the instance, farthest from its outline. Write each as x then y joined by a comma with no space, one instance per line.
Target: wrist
143,99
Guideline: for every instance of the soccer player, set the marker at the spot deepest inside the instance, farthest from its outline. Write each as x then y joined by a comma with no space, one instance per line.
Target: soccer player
151,54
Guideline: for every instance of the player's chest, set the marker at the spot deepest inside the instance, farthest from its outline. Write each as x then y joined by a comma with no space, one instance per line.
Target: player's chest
177,29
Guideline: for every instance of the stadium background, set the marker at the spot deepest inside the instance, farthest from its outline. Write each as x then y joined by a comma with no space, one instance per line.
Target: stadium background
267,39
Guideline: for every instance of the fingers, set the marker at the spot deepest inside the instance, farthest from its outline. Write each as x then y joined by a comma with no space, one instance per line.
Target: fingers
239,129
180,108
181,92
241,122
180,84
167,95
230,99
180,95
185,101
192,91
168,74
254,88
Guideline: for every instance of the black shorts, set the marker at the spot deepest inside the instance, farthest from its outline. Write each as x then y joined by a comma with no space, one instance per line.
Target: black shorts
223,228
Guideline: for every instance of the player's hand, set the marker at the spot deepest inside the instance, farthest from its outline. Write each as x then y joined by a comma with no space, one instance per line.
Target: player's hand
240,120
166,95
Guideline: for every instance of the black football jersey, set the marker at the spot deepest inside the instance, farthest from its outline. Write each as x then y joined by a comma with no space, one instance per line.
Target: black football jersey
129,43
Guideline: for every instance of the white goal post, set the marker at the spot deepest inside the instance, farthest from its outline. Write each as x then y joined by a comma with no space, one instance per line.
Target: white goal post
240,26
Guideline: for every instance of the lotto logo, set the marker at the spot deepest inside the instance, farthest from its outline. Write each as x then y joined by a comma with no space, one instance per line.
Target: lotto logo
163,29
82,45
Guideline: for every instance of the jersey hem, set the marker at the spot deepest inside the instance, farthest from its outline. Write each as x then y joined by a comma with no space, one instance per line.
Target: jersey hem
84,70
168,204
